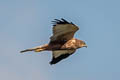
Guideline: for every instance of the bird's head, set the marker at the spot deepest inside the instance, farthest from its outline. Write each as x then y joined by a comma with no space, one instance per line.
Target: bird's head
83,44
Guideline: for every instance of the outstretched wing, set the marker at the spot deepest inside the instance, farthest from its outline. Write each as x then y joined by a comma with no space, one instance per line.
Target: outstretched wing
63,30
58,55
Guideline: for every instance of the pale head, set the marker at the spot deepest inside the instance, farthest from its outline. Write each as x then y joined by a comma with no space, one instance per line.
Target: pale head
82,44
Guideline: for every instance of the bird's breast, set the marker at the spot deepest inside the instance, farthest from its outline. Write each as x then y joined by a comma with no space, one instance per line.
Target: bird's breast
71,44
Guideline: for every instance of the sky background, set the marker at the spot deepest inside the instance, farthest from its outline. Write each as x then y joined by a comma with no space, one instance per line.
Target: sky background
27,23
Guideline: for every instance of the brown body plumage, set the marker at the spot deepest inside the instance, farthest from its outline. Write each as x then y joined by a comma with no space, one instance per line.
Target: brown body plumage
62,43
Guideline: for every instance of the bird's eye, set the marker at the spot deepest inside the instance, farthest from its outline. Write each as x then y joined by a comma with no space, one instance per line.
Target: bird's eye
84,43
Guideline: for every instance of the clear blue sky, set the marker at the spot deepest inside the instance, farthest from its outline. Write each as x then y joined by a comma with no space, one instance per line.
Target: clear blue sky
27,23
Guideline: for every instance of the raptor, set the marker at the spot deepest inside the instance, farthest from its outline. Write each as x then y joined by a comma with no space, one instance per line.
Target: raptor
62,43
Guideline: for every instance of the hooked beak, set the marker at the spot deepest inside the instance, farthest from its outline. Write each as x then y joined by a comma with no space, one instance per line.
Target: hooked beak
85,46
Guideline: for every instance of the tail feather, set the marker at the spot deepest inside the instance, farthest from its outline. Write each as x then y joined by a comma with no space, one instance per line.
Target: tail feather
26,50
36,49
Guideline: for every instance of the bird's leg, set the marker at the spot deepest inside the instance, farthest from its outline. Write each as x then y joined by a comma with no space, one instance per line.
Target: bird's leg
39,49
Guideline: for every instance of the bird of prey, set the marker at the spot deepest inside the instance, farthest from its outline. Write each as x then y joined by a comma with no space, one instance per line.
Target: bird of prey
62,42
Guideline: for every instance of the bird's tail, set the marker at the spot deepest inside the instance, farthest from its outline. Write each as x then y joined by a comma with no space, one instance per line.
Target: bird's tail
36,49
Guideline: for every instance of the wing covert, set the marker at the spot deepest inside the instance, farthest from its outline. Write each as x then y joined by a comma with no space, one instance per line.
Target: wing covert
63,30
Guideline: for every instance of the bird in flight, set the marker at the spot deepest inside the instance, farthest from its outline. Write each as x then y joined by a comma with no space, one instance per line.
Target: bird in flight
62,42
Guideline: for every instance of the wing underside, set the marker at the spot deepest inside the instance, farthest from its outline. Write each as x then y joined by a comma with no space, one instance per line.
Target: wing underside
60,55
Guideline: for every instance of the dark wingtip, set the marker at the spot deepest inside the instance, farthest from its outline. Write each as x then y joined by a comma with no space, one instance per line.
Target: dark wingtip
51,63
58,59
62,21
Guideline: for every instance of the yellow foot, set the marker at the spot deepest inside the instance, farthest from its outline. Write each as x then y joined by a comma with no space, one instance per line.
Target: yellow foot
38,50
